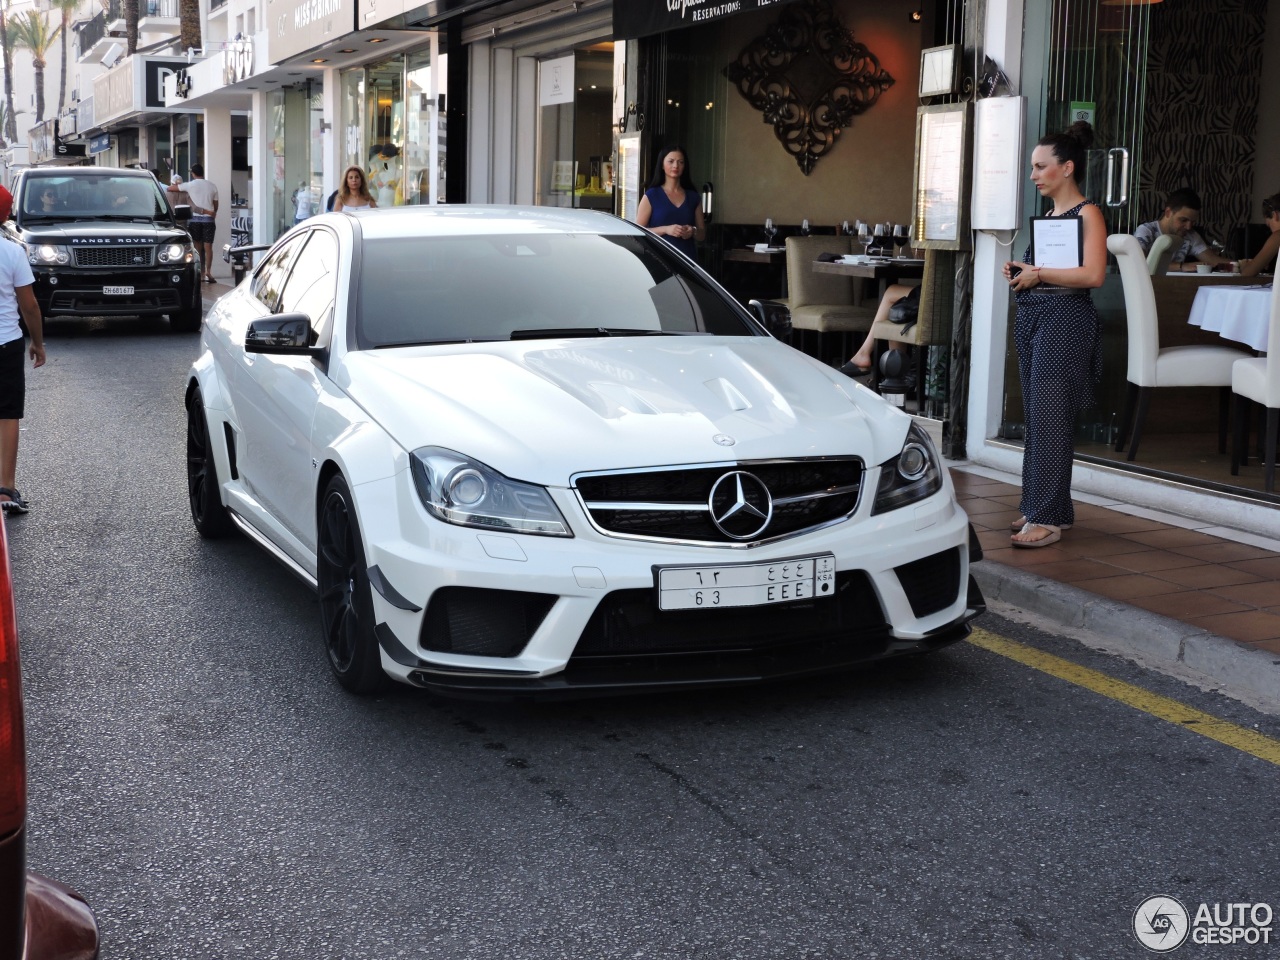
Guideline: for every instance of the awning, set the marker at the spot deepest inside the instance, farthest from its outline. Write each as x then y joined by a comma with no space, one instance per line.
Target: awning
641,18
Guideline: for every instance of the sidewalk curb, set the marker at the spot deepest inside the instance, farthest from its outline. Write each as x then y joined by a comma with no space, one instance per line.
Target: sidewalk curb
1123,629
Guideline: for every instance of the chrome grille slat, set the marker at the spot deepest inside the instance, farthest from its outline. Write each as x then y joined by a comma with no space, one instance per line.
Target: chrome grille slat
806,495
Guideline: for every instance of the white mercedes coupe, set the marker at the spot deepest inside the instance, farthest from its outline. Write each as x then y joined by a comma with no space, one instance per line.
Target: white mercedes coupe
534,450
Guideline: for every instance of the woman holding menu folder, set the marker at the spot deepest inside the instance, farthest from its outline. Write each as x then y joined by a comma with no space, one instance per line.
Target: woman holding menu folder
1057,331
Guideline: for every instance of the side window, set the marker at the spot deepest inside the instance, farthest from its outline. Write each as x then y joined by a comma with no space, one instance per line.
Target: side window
269,279
313,282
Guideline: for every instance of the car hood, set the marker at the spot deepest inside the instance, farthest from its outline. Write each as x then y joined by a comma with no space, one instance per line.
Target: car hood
544,411
97,232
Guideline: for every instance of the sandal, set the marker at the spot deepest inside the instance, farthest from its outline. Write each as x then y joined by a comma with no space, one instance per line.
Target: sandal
15,503
1052,535
1021,522
851,369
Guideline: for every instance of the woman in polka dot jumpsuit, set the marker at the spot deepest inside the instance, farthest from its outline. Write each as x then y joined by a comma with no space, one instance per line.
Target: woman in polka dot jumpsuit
1058,336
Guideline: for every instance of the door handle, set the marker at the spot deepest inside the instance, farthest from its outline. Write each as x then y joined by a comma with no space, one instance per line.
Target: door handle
1122,186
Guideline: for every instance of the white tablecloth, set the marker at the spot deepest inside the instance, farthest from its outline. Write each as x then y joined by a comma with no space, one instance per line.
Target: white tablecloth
1236,313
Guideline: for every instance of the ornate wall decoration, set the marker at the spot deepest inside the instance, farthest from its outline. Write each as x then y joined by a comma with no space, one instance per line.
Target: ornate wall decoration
809,78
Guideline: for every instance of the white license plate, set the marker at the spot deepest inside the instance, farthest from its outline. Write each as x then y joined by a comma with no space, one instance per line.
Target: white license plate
746,584
118,291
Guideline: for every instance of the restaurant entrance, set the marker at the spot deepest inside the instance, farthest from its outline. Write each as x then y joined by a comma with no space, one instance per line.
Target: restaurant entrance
1173,93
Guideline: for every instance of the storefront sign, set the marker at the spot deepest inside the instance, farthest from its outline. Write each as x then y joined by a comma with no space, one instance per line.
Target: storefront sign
99,144
296,26
41,138
135,83
237,62
555,81
640,18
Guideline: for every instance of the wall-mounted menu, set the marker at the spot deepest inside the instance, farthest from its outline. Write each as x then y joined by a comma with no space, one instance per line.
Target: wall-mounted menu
941,182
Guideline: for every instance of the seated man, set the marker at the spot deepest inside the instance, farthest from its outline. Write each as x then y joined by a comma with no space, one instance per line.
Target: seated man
1181,214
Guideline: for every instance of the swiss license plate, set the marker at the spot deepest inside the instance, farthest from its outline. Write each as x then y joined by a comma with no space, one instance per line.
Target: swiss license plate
118,291
746,584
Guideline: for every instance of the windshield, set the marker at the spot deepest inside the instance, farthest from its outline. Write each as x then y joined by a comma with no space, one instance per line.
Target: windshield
458,289
93,197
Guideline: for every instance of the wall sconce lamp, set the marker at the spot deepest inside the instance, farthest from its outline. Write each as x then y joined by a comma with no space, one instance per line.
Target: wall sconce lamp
915,16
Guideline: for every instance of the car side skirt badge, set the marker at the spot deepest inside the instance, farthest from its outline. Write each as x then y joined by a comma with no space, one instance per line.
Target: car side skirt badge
390,593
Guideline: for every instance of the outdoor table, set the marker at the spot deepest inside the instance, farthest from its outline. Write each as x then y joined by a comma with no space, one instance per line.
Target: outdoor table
1235,313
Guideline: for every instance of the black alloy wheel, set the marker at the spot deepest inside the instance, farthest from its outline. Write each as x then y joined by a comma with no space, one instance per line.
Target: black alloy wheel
207,512
346,599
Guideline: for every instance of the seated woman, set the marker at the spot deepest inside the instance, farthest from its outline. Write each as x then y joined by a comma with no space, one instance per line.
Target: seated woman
1266,258
859,365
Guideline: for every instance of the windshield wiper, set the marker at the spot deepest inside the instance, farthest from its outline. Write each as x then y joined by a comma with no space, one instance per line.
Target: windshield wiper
123,217
430,343
44,218
556,333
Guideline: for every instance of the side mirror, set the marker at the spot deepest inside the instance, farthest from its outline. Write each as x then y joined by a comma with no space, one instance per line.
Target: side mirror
774,317
182,212
284,333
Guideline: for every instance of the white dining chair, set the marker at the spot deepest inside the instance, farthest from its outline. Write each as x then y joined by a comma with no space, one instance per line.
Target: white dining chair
1257,379
1149,365
1160,255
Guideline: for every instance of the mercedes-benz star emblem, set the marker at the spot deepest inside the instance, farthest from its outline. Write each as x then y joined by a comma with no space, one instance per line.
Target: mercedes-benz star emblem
741,505
724,440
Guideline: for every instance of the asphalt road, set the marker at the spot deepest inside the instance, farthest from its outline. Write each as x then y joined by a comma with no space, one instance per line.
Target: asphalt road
198,775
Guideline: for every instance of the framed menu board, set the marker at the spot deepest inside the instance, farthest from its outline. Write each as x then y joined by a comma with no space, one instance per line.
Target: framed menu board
941,190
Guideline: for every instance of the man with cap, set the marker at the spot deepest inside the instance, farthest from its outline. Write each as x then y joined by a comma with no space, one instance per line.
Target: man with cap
17,306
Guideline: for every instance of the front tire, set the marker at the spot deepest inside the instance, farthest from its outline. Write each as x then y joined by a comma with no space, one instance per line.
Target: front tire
346,599
207,512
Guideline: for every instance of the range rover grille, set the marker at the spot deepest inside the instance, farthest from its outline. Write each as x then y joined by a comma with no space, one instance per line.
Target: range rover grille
676,503
131,256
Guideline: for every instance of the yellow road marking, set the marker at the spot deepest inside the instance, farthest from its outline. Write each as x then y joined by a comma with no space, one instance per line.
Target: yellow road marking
1197,721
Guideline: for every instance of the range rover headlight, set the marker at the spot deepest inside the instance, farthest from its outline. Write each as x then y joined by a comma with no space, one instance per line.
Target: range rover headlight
457,489
48,254
912,475
175,253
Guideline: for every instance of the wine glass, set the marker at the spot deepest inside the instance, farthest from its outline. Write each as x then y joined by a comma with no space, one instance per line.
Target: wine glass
844,229
880,236
770,231
901,234
804,228
864,237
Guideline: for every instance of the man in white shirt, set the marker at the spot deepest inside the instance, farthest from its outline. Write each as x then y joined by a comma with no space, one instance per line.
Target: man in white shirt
204,208
17,300
1181,214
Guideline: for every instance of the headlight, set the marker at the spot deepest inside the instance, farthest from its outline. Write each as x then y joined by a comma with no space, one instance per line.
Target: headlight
175,253
912,475
457,489
47,254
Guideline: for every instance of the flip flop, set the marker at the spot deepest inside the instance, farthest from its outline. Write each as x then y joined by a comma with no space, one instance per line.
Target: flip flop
851,369
1053,535
15,503
1021,522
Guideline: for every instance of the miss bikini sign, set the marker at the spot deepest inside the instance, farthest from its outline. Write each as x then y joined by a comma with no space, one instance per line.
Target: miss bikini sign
640,18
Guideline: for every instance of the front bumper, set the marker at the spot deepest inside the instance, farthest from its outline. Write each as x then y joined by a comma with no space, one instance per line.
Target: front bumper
78,292
572,617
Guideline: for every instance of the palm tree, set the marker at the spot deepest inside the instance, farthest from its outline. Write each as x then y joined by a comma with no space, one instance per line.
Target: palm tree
6,41
189,24
31,32
66,8
131,25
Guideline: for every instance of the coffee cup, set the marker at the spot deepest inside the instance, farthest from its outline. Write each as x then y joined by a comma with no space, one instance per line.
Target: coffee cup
1204,268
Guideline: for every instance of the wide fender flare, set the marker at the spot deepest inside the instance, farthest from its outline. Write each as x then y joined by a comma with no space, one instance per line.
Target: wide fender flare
346,440
206,375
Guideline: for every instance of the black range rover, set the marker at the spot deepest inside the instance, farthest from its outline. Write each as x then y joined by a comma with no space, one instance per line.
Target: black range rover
105,242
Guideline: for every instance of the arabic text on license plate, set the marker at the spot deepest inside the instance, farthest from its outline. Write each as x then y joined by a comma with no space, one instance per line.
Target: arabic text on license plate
746,584
118,291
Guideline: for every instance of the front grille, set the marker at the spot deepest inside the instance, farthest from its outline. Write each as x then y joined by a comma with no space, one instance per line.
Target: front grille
489,623
133,256
629,622
674,503
931,583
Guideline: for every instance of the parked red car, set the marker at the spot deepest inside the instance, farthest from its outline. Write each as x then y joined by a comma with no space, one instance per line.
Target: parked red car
40,919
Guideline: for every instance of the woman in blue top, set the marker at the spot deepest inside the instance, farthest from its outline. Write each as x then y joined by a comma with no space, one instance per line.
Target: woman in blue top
670,206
